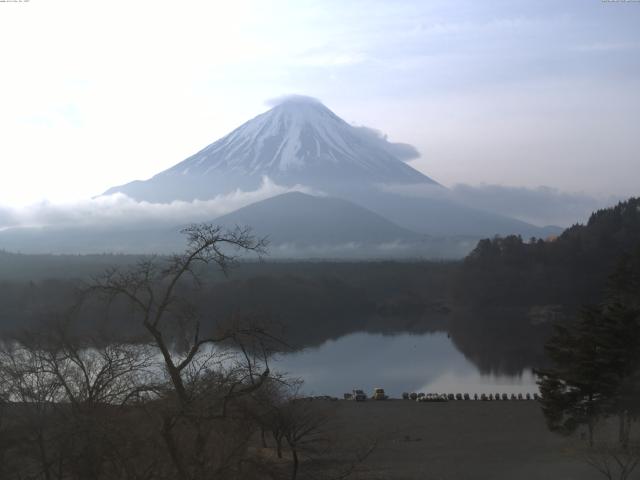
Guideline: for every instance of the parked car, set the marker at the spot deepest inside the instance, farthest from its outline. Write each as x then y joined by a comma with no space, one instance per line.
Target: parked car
378,394
359,395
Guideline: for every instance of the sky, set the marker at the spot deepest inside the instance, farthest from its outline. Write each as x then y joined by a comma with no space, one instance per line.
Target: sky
527,96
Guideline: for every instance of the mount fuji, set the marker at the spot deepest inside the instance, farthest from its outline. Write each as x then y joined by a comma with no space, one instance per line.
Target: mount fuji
361,200
300,142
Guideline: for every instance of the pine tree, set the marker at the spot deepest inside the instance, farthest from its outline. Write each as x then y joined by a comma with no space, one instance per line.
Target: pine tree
577,389
596,360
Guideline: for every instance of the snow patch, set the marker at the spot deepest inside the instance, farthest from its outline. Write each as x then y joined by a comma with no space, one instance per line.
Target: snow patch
300,133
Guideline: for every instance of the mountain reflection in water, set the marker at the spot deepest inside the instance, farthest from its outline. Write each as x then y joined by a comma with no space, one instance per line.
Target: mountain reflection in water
397,363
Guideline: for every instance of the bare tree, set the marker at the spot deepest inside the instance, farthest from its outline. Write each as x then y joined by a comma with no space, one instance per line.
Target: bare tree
32,395
202,433
614,461
63,389
187,400
305,434
151,289
304,427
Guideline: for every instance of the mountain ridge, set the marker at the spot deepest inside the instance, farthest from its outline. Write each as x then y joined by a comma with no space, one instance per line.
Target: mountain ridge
296,217
299,141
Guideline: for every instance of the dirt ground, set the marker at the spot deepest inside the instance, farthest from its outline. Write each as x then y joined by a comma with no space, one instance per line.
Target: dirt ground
460,440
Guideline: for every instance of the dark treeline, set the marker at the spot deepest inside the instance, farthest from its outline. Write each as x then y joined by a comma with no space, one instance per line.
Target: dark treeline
510,291
309,302
22,267
569,270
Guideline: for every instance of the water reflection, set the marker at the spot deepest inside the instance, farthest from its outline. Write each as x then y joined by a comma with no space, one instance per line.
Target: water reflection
397,363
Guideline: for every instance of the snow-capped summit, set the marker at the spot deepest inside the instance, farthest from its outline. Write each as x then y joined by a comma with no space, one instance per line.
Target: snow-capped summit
298,141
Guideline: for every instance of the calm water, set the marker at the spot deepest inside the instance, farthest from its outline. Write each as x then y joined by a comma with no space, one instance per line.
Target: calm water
398,363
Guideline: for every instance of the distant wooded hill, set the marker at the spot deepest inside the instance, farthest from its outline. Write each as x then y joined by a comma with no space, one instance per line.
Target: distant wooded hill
570,269
509,292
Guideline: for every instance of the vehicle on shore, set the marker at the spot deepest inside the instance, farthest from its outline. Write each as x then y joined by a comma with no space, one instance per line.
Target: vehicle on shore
378,394
433,397
359,395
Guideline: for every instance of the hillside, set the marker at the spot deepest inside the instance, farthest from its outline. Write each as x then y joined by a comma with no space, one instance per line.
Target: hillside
300,218
510,292
571,268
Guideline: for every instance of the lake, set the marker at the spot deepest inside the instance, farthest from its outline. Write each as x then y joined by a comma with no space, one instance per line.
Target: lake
398,363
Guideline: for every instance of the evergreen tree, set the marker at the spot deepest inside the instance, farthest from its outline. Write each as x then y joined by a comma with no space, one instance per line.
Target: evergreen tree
596,360
577,389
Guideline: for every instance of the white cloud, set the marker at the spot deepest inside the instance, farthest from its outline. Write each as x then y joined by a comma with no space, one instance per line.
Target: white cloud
540,205
119,210
402,151
275,101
